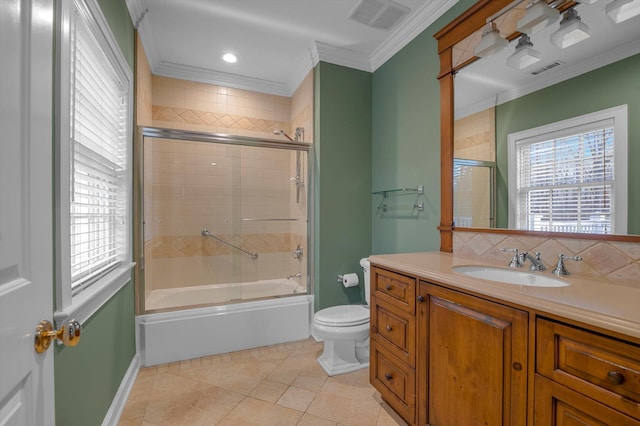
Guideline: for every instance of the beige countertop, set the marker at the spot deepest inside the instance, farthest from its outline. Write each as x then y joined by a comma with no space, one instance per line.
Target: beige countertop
599,301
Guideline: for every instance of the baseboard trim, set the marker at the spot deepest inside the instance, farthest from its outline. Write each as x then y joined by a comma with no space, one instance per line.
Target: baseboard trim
120,399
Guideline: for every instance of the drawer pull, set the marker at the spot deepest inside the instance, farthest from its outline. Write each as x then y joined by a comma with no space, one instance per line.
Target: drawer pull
388,376
389,328
389,287
420,298
615,378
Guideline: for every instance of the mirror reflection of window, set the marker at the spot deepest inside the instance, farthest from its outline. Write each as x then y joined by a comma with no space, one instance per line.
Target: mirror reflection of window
570,176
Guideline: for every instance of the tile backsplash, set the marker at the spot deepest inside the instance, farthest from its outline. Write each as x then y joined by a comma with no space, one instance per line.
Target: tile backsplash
620,260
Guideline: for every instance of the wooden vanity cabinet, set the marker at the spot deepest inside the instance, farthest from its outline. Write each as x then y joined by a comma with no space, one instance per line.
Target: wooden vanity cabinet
557,405
593,378
443,357
476,359
392,366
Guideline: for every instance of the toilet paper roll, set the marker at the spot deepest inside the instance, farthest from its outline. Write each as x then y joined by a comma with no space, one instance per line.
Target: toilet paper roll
350,280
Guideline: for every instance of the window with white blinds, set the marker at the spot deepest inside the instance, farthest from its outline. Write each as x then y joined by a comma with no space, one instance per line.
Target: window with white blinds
98,148
565,178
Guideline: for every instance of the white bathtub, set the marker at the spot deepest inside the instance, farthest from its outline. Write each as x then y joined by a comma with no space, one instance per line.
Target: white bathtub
214,294
192,333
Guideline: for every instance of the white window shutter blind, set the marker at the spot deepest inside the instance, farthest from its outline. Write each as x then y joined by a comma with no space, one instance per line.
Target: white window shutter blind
98,159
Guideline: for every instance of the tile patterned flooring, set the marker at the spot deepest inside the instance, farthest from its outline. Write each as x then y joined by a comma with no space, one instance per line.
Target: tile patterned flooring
275,385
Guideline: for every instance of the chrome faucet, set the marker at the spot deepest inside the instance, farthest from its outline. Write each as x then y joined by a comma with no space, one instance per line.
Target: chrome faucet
298,275
560,269
536,262
516,261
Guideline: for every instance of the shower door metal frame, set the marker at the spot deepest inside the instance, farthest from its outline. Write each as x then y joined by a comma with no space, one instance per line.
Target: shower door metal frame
191,136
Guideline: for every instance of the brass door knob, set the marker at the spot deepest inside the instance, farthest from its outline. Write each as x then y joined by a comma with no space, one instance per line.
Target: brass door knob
68,334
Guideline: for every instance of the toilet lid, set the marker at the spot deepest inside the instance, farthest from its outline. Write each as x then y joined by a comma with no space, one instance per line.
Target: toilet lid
343,315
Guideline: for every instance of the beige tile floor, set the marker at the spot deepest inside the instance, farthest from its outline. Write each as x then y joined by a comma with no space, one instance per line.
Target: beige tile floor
275,385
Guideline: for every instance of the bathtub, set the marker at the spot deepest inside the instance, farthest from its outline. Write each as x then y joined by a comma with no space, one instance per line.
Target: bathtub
214,294
191,333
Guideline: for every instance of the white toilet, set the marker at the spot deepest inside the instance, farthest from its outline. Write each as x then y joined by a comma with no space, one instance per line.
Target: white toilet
345,331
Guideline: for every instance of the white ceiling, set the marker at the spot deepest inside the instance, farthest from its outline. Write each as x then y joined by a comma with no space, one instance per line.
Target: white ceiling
277,42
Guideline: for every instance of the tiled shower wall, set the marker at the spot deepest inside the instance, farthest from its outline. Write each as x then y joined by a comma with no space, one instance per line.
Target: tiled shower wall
613,259
475,136
197,185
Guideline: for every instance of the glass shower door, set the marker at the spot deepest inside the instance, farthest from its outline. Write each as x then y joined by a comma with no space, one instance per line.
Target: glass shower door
223,222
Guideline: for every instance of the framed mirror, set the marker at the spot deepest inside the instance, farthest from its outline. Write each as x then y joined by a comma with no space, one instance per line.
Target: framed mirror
484,101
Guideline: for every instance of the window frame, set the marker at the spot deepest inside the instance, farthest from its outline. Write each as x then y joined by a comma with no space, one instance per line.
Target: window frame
618,115
82,305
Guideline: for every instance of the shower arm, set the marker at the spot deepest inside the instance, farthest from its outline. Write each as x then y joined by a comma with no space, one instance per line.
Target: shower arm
206,233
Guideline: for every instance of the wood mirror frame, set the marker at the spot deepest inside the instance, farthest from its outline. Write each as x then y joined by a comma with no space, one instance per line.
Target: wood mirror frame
456,31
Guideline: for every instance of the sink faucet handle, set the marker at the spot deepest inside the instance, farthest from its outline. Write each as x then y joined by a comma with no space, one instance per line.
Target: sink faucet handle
516,261
560,269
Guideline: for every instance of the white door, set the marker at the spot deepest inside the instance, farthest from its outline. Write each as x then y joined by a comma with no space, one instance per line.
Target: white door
26,224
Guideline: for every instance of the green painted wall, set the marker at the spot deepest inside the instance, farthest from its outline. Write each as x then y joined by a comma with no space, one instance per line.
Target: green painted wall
342,170
117,14
406,142
88,375
606,87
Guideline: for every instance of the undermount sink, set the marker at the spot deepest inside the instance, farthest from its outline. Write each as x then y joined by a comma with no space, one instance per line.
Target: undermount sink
510,276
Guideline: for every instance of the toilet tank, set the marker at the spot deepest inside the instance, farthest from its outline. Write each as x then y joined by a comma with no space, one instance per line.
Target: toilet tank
366,267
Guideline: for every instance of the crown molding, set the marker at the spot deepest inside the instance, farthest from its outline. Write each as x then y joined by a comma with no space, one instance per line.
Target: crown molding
339,56
426,15
202,75
138,13
555,76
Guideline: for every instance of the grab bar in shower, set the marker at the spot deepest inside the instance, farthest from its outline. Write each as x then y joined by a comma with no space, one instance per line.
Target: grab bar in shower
248,219
206,233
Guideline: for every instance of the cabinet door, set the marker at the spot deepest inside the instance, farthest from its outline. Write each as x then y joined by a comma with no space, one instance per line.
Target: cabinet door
476,360
556,405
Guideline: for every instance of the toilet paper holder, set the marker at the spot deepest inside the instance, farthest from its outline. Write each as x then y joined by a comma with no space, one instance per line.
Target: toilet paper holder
348,280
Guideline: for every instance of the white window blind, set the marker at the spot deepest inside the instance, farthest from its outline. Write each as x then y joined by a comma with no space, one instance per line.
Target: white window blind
566,183
98,198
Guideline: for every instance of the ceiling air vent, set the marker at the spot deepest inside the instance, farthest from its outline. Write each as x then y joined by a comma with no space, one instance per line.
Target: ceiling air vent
547,67
381,14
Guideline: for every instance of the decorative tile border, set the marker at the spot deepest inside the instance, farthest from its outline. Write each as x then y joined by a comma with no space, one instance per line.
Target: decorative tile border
213,119
610,258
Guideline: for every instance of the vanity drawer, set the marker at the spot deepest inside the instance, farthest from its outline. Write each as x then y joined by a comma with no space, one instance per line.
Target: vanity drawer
605,369
395,330
396,289
394,380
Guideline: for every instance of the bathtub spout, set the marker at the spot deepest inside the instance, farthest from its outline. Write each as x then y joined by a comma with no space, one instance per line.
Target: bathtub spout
298,275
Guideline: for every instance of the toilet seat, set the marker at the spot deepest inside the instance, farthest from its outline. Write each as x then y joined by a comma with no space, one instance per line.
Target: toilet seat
342,316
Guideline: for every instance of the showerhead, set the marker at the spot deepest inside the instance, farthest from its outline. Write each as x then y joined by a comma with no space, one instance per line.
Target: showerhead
281,132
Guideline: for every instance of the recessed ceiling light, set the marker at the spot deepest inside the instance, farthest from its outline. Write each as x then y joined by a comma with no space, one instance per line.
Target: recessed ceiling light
230,57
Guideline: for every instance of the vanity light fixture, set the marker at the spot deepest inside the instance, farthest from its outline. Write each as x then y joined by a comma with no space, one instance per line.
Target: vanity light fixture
230,58
621,10
572,30
525,55
539,15
490,42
